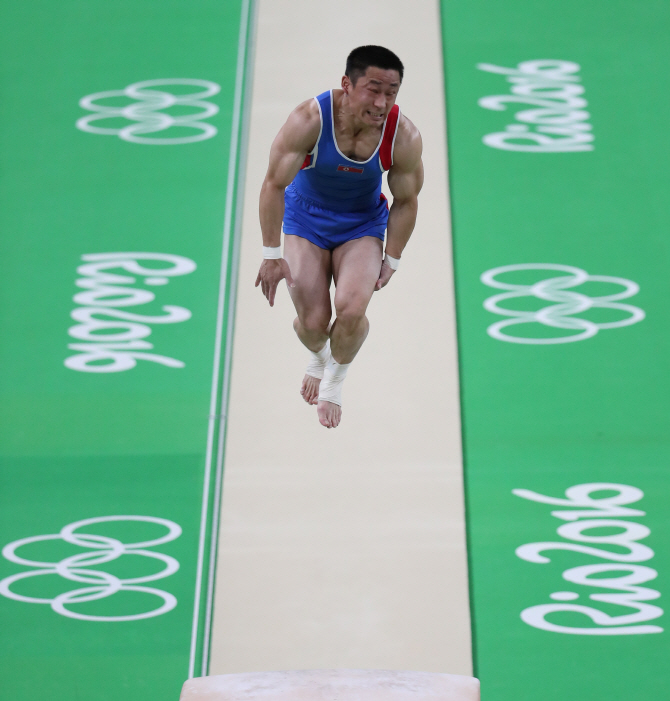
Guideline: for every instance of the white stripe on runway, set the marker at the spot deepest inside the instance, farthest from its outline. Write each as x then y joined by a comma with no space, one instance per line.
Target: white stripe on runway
214,419
346,548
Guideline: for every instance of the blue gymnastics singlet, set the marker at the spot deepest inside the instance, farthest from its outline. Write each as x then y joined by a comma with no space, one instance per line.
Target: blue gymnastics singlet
334,199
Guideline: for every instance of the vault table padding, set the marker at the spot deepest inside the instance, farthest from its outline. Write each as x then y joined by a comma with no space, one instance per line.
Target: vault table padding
332,685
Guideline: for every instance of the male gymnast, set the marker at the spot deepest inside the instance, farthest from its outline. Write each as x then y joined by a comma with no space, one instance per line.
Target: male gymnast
324,184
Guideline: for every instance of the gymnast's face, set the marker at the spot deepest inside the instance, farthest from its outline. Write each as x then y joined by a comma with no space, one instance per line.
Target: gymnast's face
373,94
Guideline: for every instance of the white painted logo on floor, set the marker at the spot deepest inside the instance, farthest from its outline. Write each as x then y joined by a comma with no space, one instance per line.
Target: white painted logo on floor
588,514
114,339
99,550
152,111
557,116
566,303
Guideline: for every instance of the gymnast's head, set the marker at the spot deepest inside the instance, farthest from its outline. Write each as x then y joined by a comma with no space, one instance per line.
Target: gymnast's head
371,81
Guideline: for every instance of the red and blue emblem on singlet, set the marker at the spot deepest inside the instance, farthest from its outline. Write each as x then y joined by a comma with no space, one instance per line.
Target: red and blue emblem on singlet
334,199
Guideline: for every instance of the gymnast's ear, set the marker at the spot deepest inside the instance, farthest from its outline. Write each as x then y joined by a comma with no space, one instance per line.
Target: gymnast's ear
346,84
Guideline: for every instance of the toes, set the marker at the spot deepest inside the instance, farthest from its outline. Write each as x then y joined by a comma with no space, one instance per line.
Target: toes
310,390
324,419
329,415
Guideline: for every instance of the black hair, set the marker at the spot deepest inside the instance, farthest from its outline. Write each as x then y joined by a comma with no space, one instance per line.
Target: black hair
361,58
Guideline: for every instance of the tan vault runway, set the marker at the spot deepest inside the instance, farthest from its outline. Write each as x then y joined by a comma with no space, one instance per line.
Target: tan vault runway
346,548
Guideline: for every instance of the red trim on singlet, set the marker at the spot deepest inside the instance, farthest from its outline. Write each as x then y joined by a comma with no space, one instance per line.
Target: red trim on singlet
308,161
386,149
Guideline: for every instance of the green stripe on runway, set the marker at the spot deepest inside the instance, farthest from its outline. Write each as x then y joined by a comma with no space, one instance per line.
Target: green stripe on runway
558,148
119,250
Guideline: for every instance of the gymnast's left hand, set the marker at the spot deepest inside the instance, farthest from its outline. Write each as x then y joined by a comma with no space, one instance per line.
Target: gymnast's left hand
384,276
272,272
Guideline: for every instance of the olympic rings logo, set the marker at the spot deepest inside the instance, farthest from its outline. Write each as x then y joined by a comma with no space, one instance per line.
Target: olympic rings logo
148,114
565,303
100,584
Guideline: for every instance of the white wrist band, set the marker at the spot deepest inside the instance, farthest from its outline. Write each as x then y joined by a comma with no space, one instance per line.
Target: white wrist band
392,263
271,253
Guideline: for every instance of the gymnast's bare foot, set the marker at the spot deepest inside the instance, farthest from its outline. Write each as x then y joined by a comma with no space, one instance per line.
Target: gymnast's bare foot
310,389
329,414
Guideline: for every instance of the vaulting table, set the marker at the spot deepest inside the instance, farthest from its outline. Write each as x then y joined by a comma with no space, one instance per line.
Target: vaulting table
331,684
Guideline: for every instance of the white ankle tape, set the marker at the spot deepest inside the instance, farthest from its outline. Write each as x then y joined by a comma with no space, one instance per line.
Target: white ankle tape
318,362
330,389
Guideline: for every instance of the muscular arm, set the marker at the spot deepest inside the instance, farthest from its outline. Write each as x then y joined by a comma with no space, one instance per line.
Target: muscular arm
295,140
405,180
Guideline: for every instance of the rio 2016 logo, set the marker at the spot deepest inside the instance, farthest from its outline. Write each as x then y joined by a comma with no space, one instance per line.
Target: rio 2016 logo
555,119
622,575
109,337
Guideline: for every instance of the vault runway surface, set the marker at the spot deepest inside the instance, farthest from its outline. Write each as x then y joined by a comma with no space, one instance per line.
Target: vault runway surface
346,548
